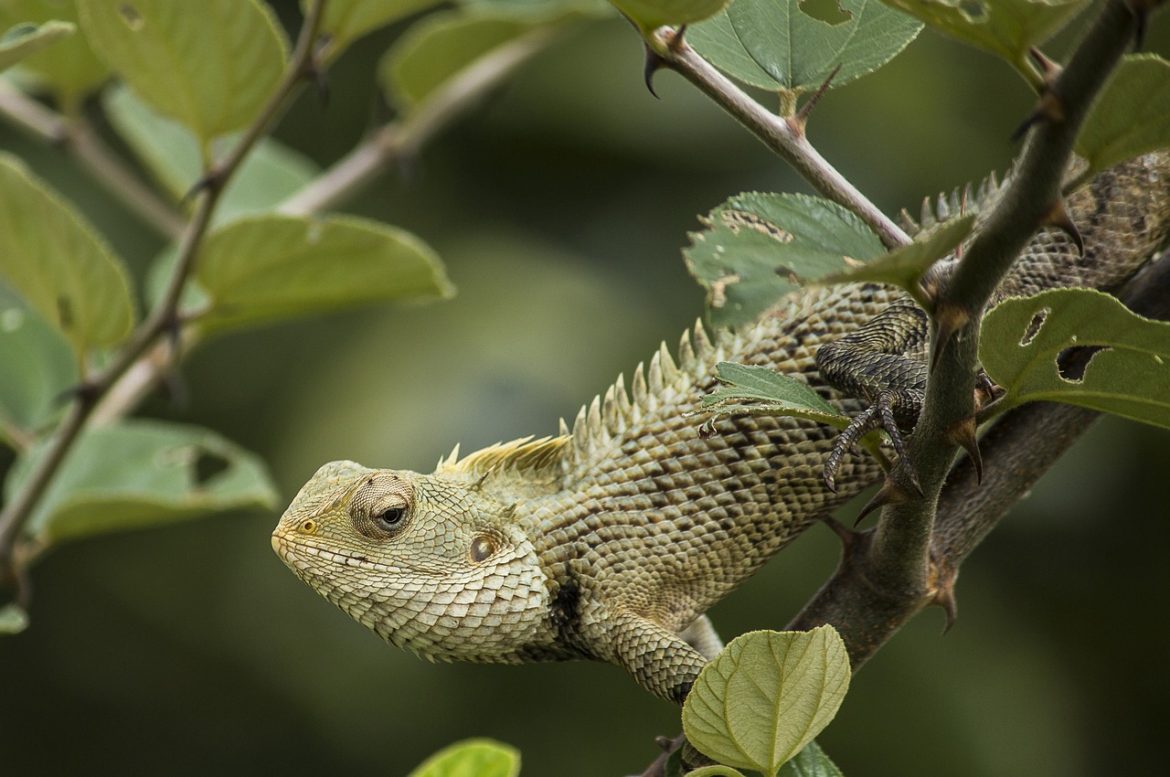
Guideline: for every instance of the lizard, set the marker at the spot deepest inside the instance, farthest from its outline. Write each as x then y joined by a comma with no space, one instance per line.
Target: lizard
610,540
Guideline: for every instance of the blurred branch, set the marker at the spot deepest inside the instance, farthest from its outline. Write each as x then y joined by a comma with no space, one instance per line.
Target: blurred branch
84,145
784,135
162,321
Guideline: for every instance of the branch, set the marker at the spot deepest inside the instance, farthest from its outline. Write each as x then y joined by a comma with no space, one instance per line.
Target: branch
161,321
107,168
784,135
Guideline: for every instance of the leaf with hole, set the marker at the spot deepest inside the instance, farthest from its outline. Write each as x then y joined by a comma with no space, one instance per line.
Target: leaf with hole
137,474
1131,116
68,69
1035,347
756,248
766,696
266,268
211,65
37,368
777,45
21,40
58,263
472,758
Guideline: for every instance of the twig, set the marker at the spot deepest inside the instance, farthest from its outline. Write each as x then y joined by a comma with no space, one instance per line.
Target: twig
161,319
783,135
107,168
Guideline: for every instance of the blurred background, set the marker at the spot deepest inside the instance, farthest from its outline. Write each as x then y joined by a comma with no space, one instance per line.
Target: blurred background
560,206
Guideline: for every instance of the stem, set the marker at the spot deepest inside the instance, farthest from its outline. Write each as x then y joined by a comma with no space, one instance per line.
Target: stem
161,320
785,136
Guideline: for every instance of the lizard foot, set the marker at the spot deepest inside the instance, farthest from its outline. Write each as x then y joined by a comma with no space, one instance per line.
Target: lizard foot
882,414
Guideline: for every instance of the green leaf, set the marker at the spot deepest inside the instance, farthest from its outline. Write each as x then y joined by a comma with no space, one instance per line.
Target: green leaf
211,65
810,762
13,619
137,474
1131,116
716,770
904,266
781,394
272,267
57,262
28,38
1022,339
649,14
1006,28
69,70
756,248
776,45
766,696
472,758
36,366
347,20
269,174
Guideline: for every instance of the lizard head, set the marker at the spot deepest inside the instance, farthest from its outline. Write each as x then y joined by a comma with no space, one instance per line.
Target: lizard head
426,561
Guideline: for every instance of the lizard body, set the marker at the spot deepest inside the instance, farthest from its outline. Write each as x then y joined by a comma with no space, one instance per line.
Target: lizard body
611,540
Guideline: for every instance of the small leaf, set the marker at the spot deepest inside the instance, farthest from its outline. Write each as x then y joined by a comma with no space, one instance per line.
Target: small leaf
810,762
649,14
137,474
36,366
269,174
716,770
782,394
757,247
211,65
1131,116
267,268
25,39
347,20
69,69
57,262
776,45
472,758
13,619
766,696
905,266
1006,28
1023,342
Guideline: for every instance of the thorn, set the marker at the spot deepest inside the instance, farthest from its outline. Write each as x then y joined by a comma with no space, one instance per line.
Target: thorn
945,597
1049,69
847,536
653,63
949,319
801,116
1141,11
320,77
889,494
664,743
963,435
1049,108
675,43
1059,217
212,179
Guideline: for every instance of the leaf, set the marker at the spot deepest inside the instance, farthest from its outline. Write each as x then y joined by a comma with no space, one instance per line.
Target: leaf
57,262
905,266
13,619
347,20
810,762
36,366
766,696
1006,28
269,174
716,770
211,65
782,394
756,248
69,69
137,474
267,268
28,38
776,45
649,14
472,758
1022,341
1131,116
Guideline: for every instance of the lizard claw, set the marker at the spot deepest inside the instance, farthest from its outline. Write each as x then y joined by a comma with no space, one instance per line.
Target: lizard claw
879,415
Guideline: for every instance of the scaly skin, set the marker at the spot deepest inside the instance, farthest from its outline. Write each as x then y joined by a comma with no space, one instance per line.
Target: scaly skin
610,542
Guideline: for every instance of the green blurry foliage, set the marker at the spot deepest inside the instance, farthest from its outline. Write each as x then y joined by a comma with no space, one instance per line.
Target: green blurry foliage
19,41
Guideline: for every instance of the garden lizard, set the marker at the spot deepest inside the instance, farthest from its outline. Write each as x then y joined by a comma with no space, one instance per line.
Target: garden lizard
611,539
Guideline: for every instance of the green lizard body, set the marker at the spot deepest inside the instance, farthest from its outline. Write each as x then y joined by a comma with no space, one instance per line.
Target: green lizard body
611,540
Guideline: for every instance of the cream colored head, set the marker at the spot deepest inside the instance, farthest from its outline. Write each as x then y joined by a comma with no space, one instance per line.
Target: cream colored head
426,561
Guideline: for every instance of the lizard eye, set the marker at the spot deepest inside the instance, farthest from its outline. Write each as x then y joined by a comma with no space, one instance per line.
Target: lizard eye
390,518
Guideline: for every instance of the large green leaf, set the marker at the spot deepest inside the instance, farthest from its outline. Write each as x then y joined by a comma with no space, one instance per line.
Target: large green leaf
347,20
472,758
1131,116
268,175
137,474
68,69
36,366
774,44
766,696
649,14
211,65
57,262
22,40
756,248
272,267
1023,340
